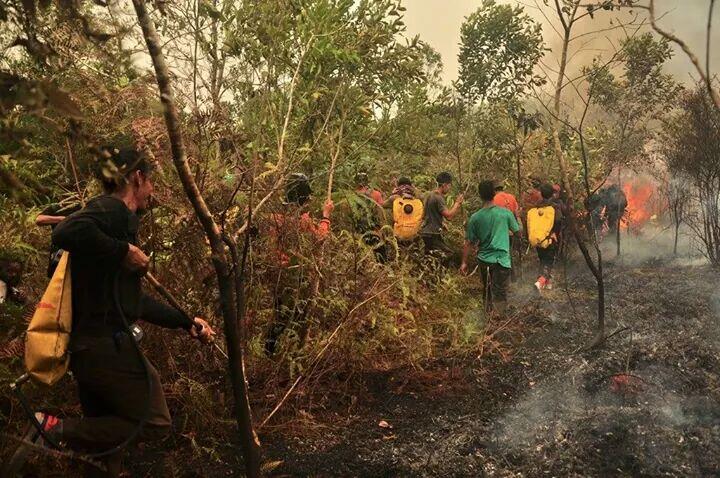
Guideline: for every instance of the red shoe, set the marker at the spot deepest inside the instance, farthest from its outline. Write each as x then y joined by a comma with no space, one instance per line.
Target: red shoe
540,283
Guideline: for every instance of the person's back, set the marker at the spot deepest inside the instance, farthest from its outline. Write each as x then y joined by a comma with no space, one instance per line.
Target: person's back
506,200
488,231
294,235
433,220
544,235
435,213
490,228
362,186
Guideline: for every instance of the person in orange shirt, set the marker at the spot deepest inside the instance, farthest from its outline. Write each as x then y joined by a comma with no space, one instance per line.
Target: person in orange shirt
293,233
505,200
362,187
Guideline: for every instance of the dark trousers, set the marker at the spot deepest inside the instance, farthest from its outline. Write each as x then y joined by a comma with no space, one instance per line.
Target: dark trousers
291,306
377,243
547,259
114,395
435,245
495,280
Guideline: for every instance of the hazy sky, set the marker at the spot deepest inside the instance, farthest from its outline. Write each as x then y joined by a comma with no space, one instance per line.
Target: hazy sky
438,23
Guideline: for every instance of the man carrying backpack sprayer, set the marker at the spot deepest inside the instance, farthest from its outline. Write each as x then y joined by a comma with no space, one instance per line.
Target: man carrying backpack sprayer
408,210
544,226
488,231
436,211
118,388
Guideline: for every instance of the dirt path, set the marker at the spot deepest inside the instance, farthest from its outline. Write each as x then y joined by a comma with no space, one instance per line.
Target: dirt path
644,405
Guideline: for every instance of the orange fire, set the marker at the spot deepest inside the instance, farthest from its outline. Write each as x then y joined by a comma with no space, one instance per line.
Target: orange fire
644,203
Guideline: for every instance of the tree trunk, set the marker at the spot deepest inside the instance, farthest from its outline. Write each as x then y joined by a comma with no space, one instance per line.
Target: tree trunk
600,327
677,233
620,214
597,271
518,240
243,414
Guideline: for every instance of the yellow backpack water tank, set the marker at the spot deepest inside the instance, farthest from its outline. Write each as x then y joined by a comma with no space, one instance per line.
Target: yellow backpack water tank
540,222
407,217
48,336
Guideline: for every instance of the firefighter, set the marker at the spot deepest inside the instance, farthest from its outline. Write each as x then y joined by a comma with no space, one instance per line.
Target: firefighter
118,388
489,231
435,214
290,231
544,226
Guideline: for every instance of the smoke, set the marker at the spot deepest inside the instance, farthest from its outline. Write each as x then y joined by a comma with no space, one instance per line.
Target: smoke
438,23
635,428
654,243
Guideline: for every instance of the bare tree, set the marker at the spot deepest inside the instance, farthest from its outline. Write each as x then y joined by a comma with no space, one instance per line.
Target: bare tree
225,264
692,150
569,14
678,193
704,71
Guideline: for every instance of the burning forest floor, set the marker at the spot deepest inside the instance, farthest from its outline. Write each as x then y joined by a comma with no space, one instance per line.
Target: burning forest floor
645,404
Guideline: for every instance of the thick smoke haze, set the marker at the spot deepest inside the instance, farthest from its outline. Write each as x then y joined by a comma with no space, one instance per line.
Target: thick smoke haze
438,23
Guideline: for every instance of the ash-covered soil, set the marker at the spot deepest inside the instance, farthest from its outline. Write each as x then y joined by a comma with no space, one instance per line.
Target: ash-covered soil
645,404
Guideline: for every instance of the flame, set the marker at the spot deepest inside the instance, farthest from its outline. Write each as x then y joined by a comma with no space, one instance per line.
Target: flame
644,203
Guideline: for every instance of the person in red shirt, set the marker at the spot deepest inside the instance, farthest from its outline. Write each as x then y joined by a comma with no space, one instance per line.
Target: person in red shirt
362,187
294,234
532,197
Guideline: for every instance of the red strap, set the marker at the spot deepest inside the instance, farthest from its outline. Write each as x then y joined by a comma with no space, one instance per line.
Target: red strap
50,422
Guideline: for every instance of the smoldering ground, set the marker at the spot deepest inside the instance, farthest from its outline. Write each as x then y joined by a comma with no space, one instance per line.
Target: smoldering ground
654,243
644,404
647,403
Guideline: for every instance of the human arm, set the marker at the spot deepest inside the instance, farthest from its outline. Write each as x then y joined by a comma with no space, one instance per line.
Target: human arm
468,248
471,243
322,228
83,233
163,315
513,224
452,212
48,220
388,203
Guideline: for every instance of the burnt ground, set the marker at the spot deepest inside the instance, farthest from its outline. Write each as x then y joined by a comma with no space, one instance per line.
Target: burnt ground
536,403
645,404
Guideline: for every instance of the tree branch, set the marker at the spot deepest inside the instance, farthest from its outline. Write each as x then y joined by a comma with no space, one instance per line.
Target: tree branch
704,75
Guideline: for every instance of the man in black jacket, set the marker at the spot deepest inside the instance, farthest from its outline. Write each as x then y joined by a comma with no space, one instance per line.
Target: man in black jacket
118,387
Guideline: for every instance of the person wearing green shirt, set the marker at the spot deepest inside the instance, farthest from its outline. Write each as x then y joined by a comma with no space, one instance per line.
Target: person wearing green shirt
488,232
